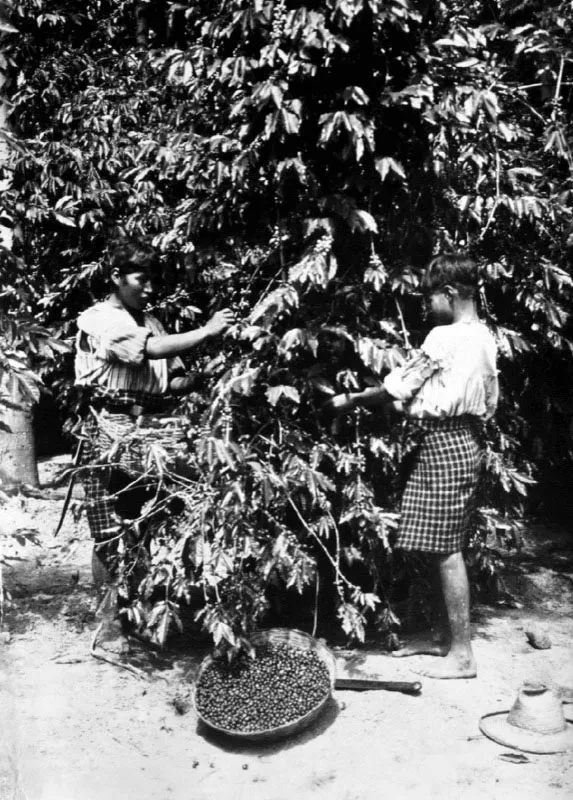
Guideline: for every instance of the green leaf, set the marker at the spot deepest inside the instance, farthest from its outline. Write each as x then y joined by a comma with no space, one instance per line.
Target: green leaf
363,221
355,94
63,220
387,165
7,27
322,385
275,393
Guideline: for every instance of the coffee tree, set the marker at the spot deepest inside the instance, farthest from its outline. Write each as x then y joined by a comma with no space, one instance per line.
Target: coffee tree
301,161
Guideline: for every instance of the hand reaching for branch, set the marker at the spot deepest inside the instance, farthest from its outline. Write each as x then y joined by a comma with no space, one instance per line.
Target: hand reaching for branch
387,407
220,322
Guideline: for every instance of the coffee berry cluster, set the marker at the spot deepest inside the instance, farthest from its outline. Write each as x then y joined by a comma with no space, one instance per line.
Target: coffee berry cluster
279,685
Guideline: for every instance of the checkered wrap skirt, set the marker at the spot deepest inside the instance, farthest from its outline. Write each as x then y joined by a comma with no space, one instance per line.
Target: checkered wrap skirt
439,499
116,471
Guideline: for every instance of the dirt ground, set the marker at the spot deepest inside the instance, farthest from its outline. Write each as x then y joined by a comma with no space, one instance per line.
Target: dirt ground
75,728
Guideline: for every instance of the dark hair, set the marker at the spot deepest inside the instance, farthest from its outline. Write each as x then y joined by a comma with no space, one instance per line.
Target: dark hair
453,269
133,255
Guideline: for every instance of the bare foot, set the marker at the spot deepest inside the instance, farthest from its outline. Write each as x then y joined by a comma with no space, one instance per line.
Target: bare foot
453,666
424,645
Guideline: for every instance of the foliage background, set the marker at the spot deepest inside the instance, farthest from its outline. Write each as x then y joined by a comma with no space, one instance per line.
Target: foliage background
300,161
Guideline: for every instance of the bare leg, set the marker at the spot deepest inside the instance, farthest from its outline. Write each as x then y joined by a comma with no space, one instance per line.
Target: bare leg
460,661
111,637
101,574
436,641
102,521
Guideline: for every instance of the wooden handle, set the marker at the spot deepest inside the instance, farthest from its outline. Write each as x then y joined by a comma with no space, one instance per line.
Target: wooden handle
373,684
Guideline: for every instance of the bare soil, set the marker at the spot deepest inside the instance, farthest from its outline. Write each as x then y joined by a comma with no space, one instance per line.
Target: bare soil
75,728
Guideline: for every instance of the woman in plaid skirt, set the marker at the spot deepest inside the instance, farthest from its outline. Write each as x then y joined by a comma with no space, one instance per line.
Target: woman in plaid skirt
446,387
129,368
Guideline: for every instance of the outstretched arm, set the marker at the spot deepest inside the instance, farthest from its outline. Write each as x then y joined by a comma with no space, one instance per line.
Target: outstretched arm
373,397
177,343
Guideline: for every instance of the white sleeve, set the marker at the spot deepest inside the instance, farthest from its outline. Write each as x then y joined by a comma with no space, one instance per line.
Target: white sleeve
113,338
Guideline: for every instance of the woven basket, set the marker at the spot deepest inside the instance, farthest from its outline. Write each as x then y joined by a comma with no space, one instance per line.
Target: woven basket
277,636
131,445
168,433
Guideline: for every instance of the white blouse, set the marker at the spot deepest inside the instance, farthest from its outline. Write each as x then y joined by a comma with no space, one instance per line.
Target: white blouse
454,373
110,352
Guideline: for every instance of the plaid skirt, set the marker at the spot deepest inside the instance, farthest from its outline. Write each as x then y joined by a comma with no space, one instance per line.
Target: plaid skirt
117,469
439,499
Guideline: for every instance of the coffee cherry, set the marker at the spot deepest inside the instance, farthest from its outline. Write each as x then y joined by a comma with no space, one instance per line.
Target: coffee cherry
278,686
279,20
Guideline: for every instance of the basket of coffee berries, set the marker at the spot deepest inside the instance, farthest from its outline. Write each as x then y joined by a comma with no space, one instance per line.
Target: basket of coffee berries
270,696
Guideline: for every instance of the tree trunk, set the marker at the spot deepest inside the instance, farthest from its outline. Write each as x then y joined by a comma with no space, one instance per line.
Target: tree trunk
17,448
